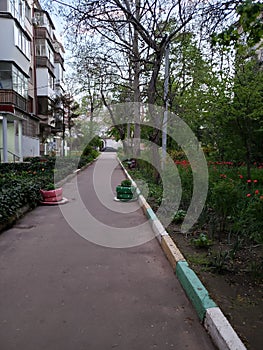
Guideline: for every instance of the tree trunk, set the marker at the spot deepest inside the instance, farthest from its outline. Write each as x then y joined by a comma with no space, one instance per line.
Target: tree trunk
136,87
156,122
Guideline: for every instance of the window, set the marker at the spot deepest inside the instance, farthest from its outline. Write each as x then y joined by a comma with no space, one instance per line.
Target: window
12,7
50,81
22,42
20,82
42,103
40,47
31,75
40,18
18,9
5,75
50,54
27,11
13,79
44,49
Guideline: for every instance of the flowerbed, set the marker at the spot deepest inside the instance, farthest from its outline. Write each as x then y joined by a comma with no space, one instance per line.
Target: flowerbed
20,183
225,246
234,205
231,223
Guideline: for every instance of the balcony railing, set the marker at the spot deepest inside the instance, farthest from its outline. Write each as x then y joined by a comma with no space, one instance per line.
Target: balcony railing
43,61
14,156
11,97
42,33
58,59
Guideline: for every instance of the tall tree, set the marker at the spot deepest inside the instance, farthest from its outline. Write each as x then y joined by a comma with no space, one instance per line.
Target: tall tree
111,20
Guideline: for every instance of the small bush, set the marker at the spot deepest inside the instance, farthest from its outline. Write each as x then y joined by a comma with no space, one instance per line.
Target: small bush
179,216
126,183
202,241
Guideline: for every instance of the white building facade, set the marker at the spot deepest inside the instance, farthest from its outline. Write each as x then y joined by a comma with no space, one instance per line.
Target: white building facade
27,79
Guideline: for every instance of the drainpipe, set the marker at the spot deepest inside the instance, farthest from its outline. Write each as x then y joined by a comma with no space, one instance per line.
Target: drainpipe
20,152
4,130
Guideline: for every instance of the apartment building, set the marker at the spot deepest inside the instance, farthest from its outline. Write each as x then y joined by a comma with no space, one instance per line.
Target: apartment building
50,80
31,75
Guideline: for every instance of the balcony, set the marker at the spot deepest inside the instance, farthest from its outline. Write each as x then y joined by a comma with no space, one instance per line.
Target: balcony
59,59
42,61
13,99
42,33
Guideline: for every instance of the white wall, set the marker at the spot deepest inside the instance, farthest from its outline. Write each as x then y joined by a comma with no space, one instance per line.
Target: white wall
11,52
42,83
30,146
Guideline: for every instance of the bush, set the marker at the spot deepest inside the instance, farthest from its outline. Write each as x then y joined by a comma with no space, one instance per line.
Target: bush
249,223
126,183
21,192
20,183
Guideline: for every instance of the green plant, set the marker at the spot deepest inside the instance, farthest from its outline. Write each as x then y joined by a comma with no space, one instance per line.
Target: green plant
126,183
200,259
20,183
249,223
50,186
219,260
179,216
224,201
202,241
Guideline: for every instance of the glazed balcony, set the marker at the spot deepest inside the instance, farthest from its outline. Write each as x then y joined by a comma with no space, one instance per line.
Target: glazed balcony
42,61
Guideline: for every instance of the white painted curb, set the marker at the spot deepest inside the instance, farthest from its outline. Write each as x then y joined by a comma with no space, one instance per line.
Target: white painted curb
159,230
216,324
221,331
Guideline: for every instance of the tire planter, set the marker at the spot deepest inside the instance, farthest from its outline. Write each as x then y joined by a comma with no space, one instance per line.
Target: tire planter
52,196
126,193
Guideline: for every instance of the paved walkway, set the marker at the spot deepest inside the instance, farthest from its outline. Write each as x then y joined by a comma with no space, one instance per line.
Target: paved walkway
59,290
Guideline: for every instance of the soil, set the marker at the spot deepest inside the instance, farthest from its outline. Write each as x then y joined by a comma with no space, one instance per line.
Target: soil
234,281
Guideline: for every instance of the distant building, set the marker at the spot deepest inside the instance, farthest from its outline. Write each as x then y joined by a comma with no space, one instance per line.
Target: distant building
31,76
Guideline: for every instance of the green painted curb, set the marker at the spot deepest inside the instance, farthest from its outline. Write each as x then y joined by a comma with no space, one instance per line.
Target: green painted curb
194,289
150,214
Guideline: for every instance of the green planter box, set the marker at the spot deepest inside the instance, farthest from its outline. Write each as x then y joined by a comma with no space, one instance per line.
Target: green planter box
125,193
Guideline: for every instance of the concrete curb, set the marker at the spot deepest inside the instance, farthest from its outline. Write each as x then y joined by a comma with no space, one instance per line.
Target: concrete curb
216,324
194,289
221,331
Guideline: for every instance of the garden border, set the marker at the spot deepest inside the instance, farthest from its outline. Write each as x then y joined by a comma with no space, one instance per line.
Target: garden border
27,208
211,316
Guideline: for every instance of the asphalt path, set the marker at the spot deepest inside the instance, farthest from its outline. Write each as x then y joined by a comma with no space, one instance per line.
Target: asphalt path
90,275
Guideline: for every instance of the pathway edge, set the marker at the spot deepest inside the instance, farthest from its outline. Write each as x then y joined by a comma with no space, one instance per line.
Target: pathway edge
220,330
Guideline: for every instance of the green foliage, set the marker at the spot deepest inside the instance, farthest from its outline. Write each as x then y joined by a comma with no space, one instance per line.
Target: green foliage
234,206
249,13
21,192
202,241
224,199
219,261
20,182
179,216
96,142
126,183
249,223
49,187
88,154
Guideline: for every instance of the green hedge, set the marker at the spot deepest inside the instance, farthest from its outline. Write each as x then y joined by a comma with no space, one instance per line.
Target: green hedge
20,182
